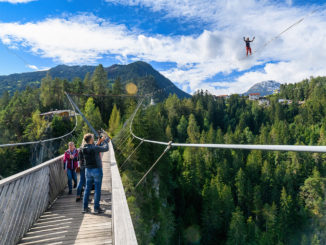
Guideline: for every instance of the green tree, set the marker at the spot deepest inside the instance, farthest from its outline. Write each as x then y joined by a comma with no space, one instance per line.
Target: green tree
286,216
182,129
193,130
92,113
35,129
241,187
88,84
99,80
114,122
237,232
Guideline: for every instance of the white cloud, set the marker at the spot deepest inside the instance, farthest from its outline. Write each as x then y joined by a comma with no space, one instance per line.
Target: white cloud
85,39
33,67
17,1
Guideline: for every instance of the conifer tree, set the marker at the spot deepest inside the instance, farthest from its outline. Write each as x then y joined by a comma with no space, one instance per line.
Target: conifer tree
93,115
114,122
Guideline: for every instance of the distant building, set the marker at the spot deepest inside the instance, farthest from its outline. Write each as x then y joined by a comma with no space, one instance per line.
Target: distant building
285,101
254,96
152,102
263,101
276,91
61,113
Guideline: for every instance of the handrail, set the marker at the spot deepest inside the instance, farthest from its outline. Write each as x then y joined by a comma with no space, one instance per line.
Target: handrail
123,229
26,195
26,172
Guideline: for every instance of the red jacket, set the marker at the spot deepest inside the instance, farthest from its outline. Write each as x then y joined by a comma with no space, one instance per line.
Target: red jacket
71,163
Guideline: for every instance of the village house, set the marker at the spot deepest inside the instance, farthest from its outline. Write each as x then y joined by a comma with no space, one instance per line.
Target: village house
263,101
61,113
254,96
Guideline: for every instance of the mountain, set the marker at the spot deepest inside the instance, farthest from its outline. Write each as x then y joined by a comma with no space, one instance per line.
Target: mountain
264,88
141,73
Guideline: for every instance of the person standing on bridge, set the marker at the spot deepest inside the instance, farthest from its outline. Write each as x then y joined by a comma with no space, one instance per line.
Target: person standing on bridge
82,179
94,172
247,41
71,163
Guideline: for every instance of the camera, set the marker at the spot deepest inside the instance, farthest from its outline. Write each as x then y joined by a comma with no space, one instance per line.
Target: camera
103,134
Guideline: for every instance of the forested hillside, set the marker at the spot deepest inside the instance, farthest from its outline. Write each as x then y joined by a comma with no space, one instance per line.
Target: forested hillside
140,73
209,196
195,196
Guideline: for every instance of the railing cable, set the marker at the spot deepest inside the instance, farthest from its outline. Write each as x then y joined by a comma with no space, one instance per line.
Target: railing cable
124,163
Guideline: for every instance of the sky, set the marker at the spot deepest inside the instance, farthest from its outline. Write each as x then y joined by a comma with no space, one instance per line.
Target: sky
196,44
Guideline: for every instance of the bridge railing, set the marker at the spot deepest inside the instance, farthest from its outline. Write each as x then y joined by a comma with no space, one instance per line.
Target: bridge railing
123,229
26,195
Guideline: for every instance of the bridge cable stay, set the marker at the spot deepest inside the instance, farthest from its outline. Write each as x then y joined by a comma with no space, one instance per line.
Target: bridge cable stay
126,132
136,148
88,123
46,140
157,160
124,141
120,148
122,137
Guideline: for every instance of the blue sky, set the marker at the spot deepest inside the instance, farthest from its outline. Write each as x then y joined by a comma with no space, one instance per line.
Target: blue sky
196,44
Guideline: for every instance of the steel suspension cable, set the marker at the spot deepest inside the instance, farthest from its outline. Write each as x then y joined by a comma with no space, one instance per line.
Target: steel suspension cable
296,148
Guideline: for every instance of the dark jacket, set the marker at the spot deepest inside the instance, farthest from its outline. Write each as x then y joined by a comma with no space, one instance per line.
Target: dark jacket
248,42
81,162
90,155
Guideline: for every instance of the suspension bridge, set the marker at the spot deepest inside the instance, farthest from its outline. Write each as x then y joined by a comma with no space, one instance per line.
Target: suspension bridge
36,209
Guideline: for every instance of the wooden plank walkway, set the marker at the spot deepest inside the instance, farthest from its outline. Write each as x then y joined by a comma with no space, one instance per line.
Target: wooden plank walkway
64,223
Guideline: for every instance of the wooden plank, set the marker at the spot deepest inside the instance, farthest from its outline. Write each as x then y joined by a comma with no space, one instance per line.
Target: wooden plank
63,222
13,227
10,212
25,211
2,202
5,212
40,195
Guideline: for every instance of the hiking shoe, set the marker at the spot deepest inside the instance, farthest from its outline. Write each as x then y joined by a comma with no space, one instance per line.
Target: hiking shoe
78,199
99,211
86,210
